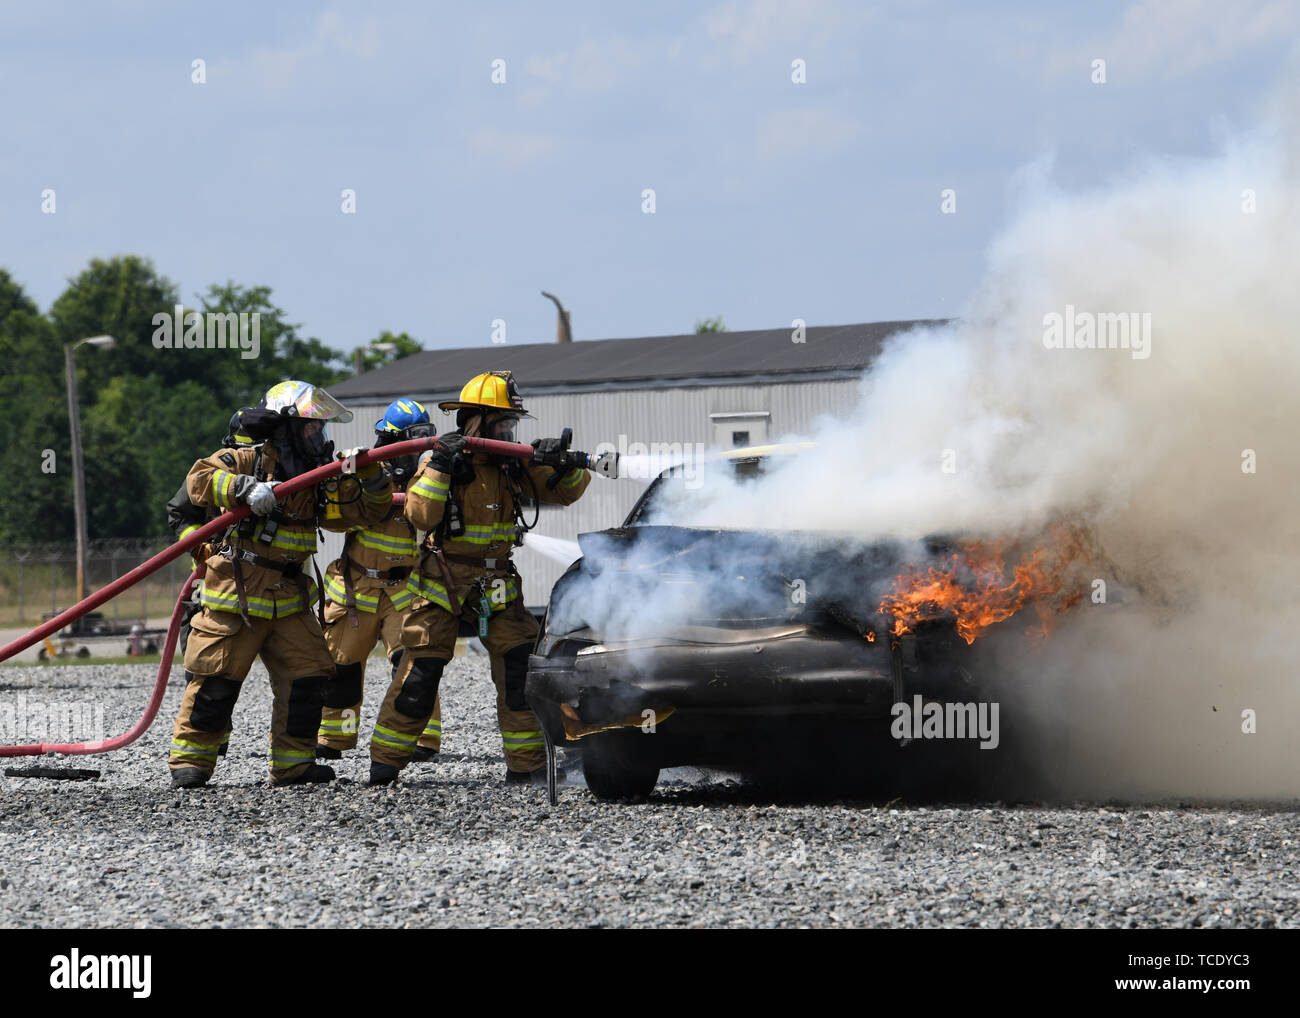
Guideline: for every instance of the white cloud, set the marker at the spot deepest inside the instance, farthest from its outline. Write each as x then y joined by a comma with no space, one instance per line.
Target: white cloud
549,68
762,26
592,65
512,148
803,132
1172,38
276,68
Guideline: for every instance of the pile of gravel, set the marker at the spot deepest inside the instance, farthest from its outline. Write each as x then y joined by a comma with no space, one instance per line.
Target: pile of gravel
451,845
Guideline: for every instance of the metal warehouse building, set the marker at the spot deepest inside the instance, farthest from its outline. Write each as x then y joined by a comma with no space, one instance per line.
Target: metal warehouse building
720,389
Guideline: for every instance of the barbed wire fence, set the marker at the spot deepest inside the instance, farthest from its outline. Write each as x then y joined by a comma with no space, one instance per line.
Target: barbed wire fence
36,579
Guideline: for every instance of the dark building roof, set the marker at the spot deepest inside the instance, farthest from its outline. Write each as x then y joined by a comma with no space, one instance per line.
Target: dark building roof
653,362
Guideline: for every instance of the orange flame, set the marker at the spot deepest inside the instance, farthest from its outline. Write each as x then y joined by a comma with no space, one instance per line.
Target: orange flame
986,582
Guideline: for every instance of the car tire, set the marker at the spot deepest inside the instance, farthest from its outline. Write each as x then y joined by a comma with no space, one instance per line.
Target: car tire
616,768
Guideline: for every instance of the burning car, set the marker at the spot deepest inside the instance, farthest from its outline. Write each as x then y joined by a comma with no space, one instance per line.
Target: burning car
761,650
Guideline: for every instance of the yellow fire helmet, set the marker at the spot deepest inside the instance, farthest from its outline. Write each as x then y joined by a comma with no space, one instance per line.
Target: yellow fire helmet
492,390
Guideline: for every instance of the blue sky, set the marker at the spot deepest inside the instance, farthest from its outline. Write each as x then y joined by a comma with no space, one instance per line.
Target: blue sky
774,200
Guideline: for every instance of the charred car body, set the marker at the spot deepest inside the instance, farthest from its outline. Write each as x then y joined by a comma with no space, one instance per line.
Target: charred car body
755,650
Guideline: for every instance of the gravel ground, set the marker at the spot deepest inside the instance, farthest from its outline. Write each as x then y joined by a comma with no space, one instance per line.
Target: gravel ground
453,846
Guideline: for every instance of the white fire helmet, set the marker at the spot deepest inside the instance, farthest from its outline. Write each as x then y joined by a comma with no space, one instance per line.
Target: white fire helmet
301,399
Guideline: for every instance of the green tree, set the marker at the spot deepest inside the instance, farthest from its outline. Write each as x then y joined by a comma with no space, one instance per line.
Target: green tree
710,325
35,500
371,359
147,412
171,426
283,352
119,297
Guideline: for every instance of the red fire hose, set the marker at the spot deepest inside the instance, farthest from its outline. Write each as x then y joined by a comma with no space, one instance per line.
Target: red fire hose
150,712
312,477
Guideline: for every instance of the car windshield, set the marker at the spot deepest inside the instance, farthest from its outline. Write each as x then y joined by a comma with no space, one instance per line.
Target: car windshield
687,495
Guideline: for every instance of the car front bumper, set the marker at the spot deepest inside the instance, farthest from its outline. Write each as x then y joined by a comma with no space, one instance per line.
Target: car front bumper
805,674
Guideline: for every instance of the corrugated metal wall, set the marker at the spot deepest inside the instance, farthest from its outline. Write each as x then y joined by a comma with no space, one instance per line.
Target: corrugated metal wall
627,417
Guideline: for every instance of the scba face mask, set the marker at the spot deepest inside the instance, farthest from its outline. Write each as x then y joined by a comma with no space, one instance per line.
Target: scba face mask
503,429
311,441
403,468
302,445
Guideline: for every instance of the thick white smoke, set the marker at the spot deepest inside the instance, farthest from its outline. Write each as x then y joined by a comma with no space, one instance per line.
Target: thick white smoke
1183,455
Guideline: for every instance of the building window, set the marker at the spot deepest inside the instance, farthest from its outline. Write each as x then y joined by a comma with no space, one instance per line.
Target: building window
738,429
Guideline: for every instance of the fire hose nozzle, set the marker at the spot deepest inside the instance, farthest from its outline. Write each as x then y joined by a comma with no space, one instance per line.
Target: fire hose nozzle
605,464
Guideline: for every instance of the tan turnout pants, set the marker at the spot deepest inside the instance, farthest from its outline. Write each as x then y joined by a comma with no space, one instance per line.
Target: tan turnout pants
430,633
351,645
220,651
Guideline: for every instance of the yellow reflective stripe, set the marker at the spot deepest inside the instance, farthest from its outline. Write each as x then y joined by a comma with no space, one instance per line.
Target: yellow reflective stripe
180,747
388,737
482,534
512,592
335,724
378,541
427,488
336,592
569,482
433,727
223,488
290,539
287,758
401,599
521,740
261,607
186,531
383,496
430,590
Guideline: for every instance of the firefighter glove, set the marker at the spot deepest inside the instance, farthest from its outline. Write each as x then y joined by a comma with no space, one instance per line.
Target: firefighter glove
257,495
447,447
549,452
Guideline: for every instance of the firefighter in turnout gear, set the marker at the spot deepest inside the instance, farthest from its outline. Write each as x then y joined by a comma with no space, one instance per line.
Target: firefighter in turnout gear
367,597
472,505
256,599
184,517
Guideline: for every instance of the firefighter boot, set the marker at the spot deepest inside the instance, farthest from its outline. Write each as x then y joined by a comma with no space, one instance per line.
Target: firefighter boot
189,777
383,774
312,774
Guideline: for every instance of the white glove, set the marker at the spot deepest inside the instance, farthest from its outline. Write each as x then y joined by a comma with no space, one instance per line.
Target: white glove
257,495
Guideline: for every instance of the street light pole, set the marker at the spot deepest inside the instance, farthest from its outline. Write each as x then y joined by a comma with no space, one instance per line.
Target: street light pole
78,471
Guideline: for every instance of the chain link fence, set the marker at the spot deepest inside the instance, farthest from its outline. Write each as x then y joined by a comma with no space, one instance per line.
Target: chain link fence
36,579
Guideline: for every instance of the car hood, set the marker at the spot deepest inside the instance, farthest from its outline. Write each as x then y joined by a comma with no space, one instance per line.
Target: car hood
690,584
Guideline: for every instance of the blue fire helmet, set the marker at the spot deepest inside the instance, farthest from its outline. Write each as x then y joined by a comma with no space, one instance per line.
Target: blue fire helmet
402,414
